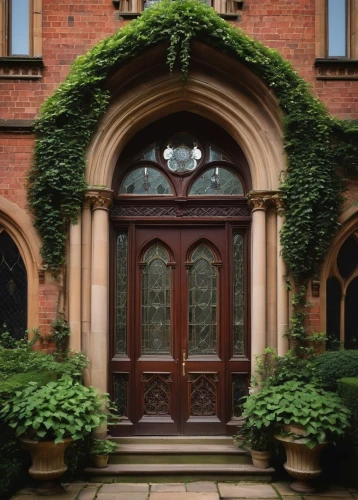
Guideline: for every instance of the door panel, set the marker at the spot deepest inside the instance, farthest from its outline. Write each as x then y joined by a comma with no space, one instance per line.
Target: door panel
185,363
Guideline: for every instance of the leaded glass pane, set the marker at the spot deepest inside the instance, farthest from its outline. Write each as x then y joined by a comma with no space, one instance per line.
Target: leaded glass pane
182,153
217,180
202,302
238,293
121,393
156,284
121,304
216,155
145,180
239,384
13,289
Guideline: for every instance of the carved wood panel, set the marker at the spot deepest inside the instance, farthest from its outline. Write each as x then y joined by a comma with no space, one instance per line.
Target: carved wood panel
203,394
157,394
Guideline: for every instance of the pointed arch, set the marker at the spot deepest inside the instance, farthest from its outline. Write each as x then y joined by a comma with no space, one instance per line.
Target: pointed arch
20,228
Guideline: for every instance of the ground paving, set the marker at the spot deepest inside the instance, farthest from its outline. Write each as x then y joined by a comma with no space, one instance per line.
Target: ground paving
197,490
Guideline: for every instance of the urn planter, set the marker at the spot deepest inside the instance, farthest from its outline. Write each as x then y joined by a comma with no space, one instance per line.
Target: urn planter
48,458
302,462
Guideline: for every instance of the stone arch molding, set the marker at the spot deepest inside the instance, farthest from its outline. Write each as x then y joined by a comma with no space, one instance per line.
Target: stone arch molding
20,227
218,88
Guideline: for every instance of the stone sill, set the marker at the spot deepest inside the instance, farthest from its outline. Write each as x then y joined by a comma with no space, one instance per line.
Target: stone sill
132,15
22,68
336,68
16,126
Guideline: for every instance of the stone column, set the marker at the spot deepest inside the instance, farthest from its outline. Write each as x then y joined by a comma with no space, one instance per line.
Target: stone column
101,200
74,286
258,203
282,292
271,279
86,282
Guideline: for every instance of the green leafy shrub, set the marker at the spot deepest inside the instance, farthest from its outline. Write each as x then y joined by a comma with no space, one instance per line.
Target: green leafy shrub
14,463
18,381
322,413
102,447
55,411
334,365
348,390
23,359
274,370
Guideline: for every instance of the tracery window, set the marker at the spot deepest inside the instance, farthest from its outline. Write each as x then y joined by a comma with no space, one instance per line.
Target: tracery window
181,166
342,296
13,289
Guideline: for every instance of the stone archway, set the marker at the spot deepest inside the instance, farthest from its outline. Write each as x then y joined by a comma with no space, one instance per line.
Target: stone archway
225,91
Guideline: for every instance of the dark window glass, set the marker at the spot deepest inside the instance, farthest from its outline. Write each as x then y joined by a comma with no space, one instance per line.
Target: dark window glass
351,316
19,28
337,28
347,259
13,289
217,181
333,314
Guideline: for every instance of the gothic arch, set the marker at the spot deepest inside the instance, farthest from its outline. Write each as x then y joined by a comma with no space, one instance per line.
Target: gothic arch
349,224
219,88
20,227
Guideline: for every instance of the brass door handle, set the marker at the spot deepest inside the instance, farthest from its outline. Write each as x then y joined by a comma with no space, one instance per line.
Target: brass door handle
183,363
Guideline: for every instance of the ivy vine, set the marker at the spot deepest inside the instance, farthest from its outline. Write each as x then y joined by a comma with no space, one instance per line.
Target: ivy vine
316,143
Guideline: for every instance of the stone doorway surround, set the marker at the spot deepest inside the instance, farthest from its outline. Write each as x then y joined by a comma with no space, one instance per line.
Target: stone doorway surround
226,92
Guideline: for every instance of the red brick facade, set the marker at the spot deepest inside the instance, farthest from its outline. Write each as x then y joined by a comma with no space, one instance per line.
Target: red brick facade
71,27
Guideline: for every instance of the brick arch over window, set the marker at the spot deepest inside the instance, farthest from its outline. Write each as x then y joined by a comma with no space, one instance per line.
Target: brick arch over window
218,88
20,228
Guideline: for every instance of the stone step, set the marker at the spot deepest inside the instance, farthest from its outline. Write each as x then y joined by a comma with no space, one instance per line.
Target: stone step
178,454
177,472
173,440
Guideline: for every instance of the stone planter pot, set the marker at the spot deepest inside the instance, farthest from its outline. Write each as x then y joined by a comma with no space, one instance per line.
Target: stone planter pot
100,461
302,462
260,459
48,458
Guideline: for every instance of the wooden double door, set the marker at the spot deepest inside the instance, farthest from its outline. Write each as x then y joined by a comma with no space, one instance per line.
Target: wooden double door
185,359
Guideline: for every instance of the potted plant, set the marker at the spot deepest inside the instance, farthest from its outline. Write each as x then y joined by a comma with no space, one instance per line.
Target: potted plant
100,450
305,418
48,418
255,433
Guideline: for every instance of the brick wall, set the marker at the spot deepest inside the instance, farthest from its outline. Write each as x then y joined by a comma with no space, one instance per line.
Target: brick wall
71,27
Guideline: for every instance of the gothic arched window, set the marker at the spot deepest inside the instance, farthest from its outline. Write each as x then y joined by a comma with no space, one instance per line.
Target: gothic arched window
13,289
342,296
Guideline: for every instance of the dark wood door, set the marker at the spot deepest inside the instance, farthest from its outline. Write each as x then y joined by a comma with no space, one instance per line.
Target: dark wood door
181,363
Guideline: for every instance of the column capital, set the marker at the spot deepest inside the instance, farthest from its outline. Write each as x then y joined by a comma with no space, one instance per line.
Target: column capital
98,198
278,203
260,200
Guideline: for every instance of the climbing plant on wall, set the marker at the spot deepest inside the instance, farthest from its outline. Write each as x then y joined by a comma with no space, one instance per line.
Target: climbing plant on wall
316,143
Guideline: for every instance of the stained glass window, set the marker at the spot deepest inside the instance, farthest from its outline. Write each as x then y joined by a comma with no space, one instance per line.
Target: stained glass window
13,289
121,393
156,288
239,389
121,306
217,181
182,153
238,293
145,180
202,302
216,155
